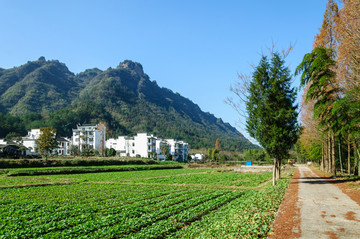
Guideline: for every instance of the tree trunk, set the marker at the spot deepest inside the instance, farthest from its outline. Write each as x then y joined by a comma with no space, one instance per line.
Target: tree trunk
274,171
358,159
279,169
358,163
355,159
323,156
340,159
349,152
333,161
329,154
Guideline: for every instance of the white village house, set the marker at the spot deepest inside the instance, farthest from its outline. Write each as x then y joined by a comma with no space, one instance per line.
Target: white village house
198,156
89,136
29,141
147,145
179,149
139,145
64,146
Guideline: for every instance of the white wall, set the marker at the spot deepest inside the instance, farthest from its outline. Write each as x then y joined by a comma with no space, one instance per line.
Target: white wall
118,144
64,146
30,141
144,144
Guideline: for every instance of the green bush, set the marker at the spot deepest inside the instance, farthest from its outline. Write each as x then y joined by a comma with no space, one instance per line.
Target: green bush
110,152
88,152
168,157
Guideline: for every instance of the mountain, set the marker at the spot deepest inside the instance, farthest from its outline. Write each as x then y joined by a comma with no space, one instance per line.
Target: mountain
124,97
38,86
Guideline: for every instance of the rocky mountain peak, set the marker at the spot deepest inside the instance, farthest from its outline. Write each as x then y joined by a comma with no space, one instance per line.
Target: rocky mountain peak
135,66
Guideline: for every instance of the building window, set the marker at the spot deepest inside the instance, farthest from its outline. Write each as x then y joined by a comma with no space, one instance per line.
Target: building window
133,152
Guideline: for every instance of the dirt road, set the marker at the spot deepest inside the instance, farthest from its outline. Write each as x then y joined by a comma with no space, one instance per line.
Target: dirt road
325,211
315,208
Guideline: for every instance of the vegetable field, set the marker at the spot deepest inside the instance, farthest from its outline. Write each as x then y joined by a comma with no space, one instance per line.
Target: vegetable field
173,203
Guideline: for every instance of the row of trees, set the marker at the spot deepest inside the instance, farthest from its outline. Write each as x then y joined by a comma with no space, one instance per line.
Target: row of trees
330,75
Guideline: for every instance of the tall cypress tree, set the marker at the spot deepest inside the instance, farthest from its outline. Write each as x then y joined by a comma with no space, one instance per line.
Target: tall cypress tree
316,71
272,115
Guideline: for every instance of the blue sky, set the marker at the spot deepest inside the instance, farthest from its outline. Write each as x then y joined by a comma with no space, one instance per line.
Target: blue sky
196,48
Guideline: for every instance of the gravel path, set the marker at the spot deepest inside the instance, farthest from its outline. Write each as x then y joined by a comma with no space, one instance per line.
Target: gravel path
325,211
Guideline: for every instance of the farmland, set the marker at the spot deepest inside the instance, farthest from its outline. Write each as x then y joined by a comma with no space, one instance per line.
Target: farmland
173,203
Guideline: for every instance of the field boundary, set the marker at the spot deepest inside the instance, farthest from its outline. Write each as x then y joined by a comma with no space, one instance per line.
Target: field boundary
258,187
37,185
82,170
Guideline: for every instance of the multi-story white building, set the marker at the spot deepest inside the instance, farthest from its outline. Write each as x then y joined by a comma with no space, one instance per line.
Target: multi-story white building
159,146
142,144
178,149
89,136
146,146
122,145
64,146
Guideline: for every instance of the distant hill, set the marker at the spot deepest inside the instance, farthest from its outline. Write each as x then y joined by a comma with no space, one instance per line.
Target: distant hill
123,97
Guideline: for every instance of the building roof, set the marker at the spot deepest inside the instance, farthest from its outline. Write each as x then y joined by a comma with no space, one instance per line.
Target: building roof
86,125
13,144
62,140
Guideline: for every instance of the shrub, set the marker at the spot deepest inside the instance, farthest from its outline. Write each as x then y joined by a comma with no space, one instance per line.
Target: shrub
110,152
168,157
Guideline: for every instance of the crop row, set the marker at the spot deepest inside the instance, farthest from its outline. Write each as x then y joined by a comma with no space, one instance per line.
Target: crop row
249,216
121,225
72,193
183,219
6,181
55,212
59,199
131,175
73,217
214,178
91,169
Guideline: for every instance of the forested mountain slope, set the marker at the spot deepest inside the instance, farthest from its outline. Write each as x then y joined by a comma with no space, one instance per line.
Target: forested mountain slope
124,97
